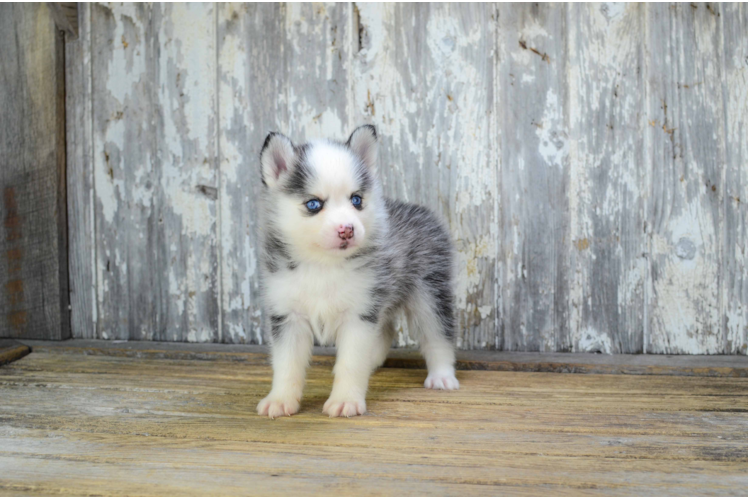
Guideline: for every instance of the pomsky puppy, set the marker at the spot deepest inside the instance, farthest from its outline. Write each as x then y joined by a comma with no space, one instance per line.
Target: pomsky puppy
338,262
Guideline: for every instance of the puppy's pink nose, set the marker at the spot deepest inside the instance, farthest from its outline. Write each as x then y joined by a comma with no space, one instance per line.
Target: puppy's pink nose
345,231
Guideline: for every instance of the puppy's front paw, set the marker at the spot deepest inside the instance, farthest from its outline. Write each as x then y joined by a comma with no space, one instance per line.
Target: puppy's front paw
344,407
441,380
276,405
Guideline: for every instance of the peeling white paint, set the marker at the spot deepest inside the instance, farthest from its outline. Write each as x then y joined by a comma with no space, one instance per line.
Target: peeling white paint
613,11
589,340
551,132
176,138
688,290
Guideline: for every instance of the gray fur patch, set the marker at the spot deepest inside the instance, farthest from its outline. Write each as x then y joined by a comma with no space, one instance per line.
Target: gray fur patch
276,325
410,256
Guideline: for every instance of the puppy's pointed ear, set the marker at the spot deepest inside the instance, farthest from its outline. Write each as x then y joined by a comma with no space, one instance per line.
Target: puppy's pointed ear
277,158
363,142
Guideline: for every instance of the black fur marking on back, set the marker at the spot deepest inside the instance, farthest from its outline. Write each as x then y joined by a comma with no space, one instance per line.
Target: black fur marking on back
379,298
422,260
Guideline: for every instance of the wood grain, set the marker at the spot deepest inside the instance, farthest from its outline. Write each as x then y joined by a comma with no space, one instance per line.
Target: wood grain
155,176
686,151
423,73
267,54
33,235
534,144
124,153
616,364
250,86
136,426
12,350
65,15
606,202
80,180
590,162
185,174
734,27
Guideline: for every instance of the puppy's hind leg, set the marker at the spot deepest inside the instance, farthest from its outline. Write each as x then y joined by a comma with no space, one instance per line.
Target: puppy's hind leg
382,348
431,321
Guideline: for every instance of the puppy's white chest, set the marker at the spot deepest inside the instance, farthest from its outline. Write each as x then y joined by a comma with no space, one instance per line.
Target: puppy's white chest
324,296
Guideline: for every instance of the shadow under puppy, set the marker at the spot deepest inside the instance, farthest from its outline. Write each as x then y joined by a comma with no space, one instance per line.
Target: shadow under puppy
339,260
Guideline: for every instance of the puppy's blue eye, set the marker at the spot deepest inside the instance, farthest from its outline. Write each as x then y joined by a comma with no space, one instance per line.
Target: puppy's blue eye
356,200
313,205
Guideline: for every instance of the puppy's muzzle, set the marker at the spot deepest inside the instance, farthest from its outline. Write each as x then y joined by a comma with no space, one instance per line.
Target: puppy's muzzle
345,233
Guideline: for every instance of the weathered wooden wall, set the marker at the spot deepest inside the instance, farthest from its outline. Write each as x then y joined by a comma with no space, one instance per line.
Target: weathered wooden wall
591,159
33,233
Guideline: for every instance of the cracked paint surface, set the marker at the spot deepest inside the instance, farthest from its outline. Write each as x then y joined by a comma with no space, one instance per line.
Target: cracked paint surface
594,187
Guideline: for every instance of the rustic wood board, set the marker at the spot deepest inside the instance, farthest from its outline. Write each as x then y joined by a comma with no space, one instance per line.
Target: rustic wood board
607,206
734,26
11,350
686,158
267,54
629,364
185,174
422,73
251,90
155,144
65,15
589,159
160,427
33,235
123,153
535,168
80,180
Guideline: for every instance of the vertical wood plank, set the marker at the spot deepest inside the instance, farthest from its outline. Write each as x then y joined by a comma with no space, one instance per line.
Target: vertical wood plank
33,236
424,76
155,177
559,166
65,15
607,178
734,19
317,54
81,216
124,148
534,138
268,55
251,103
185,195
687,158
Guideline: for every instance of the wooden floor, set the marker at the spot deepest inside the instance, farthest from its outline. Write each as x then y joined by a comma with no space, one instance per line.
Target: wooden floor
74,424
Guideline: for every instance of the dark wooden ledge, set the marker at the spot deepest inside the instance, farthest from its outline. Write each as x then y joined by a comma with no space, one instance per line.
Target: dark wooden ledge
630,364
11,350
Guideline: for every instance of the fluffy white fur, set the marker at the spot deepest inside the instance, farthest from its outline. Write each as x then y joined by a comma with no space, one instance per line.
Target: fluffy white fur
316,287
